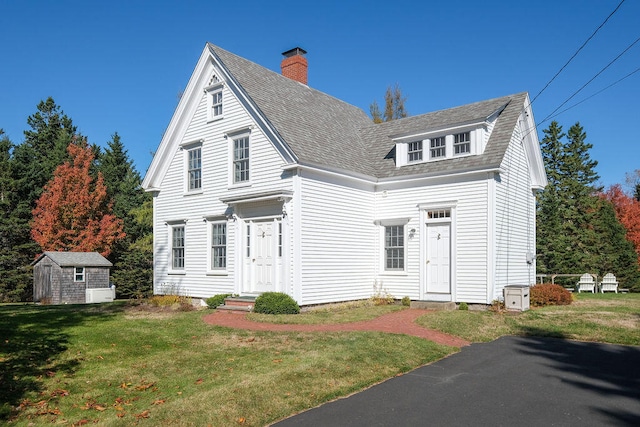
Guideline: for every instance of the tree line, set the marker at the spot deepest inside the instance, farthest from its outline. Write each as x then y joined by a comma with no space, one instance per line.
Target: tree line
59,193
581,228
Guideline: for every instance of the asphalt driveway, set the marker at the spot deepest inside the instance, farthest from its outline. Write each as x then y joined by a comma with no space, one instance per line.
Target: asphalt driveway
513,381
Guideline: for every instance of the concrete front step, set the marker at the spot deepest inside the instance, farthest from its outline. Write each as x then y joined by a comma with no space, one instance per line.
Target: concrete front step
434,305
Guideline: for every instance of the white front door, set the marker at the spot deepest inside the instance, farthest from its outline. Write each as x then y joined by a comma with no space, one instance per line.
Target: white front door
263,259
438,258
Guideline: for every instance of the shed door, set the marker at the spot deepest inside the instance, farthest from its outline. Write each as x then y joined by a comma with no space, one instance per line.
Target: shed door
439,258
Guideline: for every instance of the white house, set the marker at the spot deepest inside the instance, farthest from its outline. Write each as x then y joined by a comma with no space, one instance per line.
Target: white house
262,183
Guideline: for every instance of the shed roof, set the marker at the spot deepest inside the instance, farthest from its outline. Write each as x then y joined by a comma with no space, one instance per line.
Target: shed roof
76,259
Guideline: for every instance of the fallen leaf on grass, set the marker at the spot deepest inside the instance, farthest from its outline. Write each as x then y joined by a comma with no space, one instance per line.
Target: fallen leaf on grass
143,414
241,420
199,381
120,414
80,423
144,386
159,402
59,392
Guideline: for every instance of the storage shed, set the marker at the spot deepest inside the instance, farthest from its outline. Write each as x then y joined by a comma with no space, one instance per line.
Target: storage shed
71,278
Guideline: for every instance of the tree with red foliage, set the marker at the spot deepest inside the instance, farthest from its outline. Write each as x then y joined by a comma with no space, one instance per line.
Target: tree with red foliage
628,213
73,213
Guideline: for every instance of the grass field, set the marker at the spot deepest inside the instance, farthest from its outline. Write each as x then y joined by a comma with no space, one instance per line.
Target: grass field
113,364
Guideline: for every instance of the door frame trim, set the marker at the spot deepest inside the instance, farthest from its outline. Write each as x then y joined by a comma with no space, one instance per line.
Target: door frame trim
424,220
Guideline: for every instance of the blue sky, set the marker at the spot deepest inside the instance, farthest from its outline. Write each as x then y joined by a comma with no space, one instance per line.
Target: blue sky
119,66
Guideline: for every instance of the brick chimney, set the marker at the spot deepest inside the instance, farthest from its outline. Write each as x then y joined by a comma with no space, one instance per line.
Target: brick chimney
294,65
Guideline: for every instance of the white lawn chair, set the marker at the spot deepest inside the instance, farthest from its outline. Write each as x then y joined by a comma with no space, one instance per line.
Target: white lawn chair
609,283
586,284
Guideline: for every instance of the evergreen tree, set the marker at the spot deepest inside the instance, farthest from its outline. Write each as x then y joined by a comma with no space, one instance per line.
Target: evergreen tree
123,187
15,274
549,218
32,164
577,230
133,273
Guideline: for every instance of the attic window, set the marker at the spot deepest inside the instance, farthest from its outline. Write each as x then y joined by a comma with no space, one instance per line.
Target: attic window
438,147
414,151
462,143
215,98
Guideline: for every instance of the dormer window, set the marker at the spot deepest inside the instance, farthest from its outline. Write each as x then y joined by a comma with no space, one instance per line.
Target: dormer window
462,143
438,147
414,152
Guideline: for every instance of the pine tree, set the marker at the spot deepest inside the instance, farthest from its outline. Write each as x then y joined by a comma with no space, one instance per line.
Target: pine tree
577,229
133,273
123,187
549,218
73,213
15,276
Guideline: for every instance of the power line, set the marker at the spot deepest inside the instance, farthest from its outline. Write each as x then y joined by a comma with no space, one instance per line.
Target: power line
576,53
592,79
590,96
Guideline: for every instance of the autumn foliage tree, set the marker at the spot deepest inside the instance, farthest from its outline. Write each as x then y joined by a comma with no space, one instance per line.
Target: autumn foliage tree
628,213
74,213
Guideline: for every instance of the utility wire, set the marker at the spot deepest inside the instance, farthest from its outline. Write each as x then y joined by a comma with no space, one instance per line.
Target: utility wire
576,53
592,79
591,96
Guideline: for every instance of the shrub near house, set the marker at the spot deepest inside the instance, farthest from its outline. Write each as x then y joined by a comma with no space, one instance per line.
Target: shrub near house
549,294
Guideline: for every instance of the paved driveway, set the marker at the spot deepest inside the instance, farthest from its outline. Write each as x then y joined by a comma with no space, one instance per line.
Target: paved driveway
513,381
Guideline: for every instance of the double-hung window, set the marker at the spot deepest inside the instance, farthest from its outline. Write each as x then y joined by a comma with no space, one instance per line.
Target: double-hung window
437,147
394,247
214,99
194,168
218,246
78,274
414,151
216,103
462,143
177,247
241,159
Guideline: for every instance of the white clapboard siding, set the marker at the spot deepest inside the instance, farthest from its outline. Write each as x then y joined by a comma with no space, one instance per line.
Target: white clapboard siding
173,204
338,240
471,255
515,221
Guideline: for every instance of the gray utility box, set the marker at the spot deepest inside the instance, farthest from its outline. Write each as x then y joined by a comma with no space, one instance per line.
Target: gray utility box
516,297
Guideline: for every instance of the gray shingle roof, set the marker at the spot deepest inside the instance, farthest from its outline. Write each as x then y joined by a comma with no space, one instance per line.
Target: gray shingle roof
76,259
322,130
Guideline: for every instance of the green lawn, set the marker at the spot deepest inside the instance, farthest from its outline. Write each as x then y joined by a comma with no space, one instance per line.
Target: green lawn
612,318
112,364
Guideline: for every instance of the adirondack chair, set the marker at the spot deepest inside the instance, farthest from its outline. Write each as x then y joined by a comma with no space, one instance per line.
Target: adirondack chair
609,283
586,283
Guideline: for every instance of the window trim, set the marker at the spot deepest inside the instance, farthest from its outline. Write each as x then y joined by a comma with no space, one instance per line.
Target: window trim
189,169
466,143
172,268
442,147
402,248
236,136
213,91
211,223
76,274
393,222
415,150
